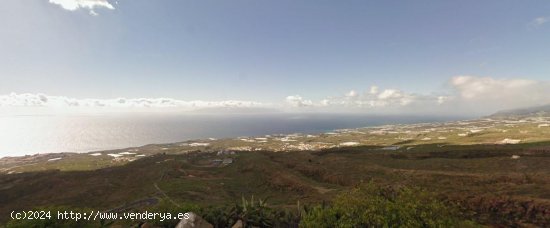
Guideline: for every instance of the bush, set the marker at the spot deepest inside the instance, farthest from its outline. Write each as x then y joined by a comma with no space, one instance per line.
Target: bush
371,206
255,213
363,206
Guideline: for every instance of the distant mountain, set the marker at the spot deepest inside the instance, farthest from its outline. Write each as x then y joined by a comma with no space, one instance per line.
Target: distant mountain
524,112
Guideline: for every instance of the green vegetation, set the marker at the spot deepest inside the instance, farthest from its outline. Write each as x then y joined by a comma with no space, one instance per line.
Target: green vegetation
484,181
497,184
371,206
364,206
255,213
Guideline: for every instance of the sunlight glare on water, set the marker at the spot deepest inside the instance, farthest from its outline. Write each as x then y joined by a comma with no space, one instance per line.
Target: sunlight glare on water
30,134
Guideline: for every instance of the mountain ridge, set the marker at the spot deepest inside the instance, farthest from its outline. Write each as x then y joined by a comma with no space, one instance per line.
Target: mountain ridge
542,110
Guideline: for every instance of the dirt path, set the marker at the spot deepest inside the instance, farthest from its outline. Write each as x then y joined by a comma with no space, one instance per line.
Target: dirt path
166,196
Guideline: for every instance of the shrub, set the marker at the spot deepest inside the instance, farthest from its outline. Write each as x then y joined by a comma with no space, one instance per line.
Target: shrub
251,212
371,206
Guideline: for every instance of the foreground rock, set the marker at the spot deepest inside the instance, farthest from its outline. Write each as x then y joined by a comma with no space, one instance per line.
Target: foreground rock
238,224
194,221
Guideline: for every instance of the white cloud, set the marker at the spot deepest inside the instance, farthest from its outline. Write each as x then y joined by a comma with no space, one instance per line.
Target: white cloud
73,5
539,21
471,87
491,93
325,102
442,99
352,93
42,100
465,95
298,101
373,90
389,94
371,100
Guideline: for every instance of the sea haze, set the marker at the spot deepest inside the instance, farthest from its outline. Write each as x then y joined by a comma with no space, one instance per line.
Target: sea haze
30,134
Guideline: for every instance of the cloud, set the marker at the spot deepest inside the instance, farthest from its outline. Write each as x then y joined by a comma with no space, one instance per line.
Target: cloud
374,99
91,5
442,99
389,94
539,21
469,95
352,93
368,101
298,101
42,100
471,87
491,93
373,90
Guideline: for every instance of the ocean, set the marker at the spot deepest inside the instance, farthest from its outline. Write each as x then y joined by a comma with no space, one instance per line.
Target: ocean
31,134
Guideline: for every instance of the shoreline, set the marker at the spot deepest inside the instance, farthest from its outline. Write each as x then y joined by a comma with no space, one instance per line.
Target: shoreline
83,135
389,137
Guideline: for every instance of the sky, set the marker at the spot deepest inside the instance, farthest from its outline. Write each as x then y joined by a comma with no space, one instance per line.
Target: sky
448,57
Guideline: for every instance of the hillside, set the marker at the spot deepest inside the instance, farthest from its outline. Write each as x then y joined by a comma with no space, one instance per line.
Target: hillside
538,111
486,180
496,171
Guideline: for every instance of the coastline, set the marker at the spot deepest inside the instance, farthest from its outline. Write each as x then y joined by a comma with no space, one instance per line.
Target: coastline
31,135
396,137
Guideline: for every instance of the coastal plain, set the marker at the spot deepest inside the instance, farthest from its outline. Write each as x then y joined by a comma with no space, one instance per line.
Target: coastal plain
495,169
